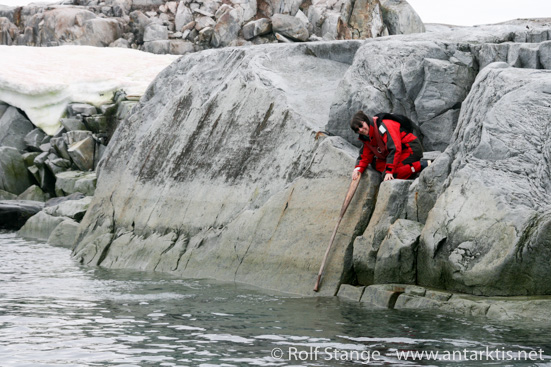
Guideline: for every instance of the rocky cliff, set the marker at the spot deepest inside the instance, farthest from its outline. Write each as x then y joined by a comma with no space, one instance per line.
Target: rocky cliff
222,171
180,27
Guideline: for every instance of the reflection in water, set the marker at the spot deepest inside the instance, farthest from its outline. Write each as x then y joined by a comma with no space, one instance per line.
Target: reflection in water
56,312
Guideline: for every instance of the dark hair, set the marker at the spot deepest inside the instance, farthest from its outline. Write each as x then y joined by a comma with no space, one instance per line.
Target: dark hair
357,120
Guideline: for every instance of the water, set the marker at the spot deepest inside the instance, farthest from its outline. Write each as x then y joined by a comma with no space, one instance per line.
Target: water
54,312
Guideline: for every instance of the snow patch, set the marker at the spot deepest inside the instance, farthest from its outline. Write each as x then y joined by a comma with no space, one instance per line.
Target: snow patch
42,81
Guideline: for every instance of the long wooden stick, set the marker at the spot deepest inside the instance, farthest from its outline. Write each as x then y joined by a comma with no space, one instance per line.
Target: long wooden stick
347,200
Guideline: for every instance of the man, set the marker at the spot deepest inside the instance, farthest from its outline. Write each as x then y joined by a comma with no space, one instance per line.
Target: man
389,145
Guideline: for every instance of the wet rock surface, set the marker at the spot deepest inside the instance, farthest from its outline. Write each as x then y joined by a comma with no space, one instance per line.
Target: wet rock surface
448,229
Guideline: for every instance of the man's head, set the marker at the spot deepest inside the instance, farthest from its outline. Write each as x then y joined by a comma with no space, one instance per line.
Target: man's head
360,123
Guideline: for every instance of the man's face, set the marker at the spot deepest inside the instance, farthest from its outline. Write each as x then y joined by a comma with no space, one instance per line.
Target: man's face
364,129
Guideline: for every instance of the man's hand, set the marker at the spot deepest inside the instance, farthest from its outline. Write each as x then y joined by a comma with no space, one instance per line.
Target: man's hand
389,177
356,175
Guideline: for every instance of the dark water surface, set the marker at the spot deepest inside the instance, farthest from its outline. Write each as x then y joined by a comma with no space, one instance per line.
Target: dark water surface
54,312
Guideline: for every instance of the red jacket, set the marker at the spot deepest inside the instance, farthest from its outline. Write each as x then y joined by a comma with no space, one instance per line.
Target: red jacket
397,143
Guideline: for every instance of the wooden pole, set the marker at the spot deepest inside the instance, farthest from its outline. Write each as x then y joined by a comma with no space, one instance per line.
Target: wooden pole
347,200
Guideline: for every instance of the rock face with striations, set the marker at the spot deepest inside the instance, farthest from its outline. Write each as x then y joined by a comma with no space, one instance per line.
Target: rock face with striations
490,230
482,202
228,178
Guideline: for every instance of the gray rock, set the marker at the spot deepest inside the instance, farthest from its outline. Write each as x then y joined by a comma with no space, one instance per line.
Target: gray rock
40,226
58,200
183,16
82,153
29,158
74,209
283,39
138,22
155,32
400,18
100,32
71,182
8,32
290,26
42,173
82,109
289,7
4,195
33,139
64,234
63,25
258,27
157,47
366,20
60,146
172,6
249,8
408,83
445,86
13,172
181,47
292,205
146,3
14,213
382,295
396,258
125,109
98,123
33,193
204,22
71,124
391,203
205,35
56,165
47,148
121,42
350,292
77,135
486,229
13,129
226,29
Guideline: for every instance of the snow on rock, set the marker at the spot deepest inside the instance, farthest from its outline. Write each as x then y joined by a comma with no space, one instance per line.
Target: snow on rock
42,81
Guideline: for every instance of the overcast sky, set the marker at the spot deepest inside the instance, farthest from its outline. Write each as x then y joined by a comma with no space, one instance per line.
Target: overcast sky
457,12
471,12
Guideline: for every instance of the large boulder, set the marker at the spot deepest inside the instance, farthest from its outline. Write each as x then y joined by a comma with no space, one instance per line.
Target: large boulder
100,32
73,209
400,18
13,128
155,32
227,28
14,177
71,182
366,20
391,203
183,16
40,226
33,193
266,196
64,234
397,255
290,26
257,28
63,25
490,229
8,32
425,76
